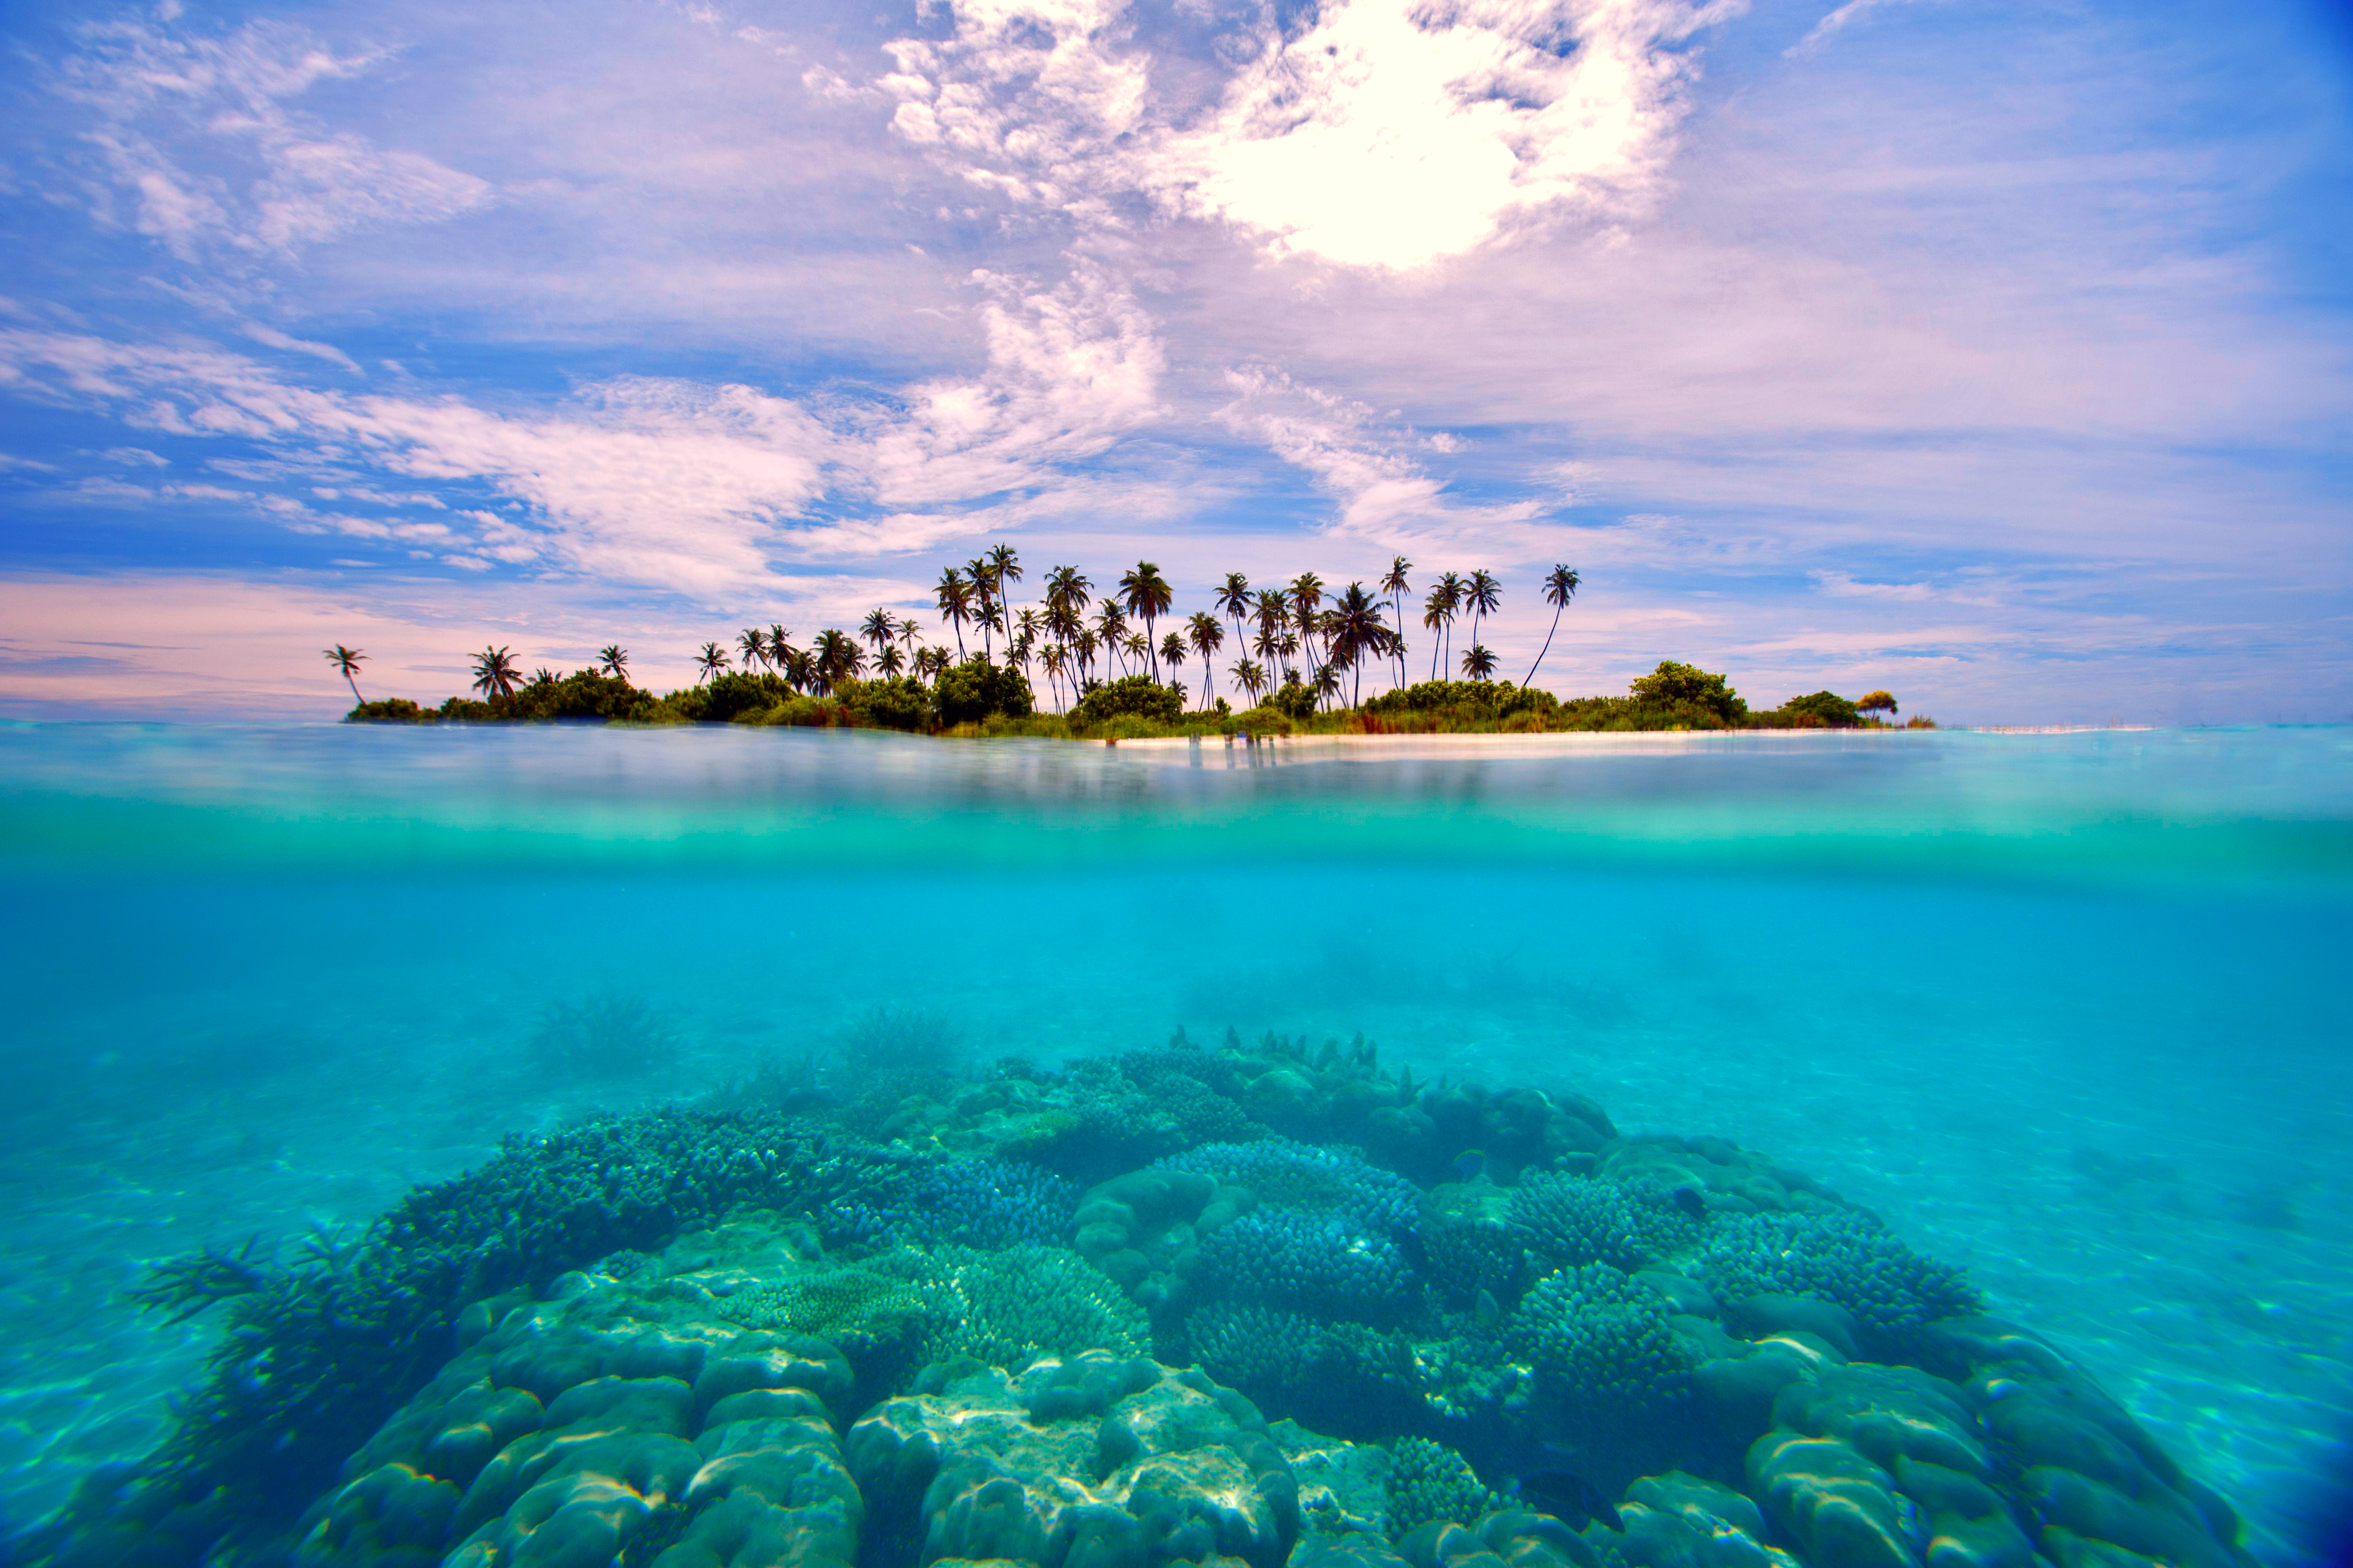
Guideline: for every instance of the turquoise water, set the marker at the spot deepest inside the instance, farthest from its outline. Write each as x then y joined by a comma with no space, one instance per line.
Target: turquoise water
2066,1009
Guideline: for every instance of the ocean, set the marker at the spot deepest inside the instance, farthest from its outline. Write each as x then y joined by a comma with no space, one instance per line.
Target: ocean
2065,1011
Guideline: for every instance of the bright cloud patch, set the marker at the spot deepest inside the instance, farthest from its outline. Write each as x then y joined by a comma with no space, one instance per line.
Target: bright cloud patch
1391,134
1398,132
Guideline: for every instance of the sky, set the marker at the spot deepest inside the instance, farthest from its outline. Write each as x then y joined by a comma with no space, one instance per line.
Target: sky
1993,355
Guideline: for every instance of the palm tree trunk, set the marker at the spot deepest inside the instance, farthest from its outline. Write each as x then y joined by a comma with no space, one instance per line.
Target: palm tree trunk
1547,647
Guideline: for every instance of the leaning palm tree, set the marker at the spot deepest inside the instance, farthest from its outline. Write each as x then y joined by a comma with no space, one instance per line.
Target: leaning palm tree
614,661
954,597
1438,616
1004,571
1560,586
495,674
1251,676
1148,595
347,661
1481,598
1478,663
1208,636
1396,587
710,661
754,646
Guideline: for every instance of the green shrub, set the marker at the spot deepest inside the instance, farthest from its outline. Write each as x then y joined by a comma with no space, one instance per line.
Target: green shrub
903,703
736,693
1292,699
1815,711
1673,686
1131,696
971,691
388,711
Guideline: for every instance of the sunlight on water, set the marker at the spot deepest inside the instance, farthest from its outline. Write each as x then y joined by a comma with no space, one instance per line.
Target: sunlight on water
2064,1008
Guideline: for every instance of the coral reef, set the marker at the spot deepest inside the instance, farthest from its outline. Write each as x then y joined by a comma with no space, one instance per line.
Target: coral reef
1252,1305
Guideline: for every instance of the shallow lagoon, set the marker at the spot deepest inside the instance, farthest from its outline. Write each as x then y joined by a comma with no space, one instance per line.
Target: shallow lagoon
2062,1008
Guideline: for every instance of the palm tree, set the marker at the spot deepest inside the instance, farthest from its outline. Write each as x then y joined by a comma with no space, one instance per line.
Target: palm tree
1233,601
1306,592
1208,637
890,661
1327,682
1481,598
1085,647
614,660
1004,571
1478,663
710,660
1051,660
879,628
543,676
983,577
1559,588
911,634
1172,653
955,594
931,662
495,674
1111,625
347,661
1357,630
754,645
1138,649
837,659
1437,615
1273,616
1396,587
1148,595
1251,676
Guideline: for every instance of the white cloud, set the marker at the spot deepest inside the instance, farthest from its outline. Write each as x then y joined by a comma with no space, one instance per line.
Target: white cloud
1837,21
1384,497
1399,132
684,486
278,340
272,180
1391,134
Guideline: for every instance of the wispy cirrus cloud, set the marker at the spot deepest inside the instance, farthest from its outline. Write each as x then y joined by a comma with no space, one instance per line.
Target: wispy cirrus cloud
159,93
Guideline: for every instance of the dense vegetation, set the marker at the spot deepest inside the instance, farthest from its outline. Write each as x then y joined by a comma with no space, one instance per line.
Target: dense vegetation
1314,656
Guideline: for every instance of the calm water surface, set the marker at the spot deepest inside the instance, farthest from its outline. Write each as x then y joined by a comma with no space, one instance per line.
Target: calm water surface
2066,1008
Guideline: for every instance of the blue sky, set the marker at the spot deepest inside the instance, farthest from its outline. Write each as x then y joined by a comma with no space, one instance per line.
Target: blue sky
1995,354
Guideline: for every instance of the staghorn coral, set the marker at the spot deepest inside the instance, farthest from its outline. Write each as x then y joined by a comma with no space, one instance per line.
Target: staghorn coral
1284,1175
1846,1257
1565,1221
1614,1378
1286,1259
1430,1482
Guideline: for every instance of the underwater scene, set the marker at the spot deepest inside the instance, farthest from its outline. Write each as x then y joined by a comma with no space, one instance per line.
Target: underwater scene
712,1149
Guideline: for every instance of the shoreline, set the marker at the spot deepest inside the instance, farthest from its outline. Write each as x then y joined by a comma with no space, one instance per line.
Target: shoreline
1523,741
